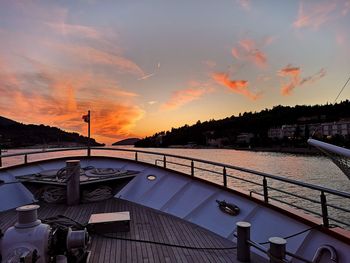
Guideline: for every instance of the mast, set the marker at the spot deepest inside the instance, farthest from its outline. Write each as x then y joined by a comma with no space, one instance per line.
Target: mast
89,120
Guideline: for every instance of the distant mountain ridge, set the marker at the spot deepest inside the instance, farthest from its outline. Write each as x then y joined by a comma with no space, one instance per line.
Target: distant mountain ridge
129,141
14,134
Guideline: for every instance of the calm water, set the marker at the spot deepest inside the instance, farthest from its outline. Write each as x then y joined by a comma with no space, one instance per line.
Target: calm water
311,169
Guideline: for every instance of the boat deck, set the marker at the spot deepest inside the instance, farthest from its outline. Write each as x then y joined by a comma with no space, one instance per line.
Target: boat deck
145,224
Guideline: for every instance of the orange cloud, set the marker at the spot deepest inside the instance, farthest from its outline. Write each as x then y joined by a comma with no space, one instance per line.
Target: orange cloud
315,15
65,99
237,86
247,49
184,96
293,73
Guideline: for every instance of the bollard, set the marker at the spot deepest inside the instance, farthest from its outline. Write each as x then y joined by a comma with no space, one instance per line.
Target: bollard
243,235
277,249
73,182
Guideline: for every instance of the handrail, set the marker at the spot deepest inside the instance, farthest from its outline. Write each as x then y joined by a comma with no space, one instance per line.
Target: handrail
276,177
224,173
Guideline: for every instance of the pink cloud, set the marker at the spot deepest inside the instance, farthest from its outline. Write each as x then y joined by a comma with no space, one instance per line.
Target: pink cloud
185,96
346,8
295,80
315,14
245,4
237,86
247,49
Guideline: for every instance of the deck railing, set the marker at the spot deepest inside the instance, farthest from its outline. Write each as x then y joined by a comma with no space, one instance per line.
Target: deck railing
264,181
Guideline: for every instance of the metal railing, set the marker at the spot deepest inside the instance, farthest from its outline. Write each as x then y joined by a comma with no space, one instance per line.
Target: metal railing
265,180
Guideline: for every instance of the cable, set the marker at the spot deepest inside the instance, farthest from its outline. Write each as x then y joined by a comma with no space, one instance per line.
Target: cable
65,222
164,244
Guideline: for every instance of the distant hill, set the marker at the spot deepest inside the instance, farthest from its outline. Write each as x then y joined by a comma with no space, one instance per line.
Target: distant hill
14,134
6,122
129,141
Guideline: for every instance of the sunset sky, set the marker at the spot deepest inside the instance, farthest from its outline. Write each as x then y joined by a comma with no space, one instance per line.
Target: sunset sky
147,66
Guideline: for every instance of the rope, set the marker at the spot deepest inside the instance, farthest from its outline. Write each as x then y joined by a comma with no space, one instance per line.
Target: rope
98,194
53,194
294,235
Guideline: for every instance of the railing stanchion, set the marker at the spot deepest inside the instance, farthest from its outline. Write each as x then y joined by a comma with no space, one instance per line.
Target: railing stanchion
277,249
224,176
164,161
136,157
324,210
243,236
266,193
25,159
192,168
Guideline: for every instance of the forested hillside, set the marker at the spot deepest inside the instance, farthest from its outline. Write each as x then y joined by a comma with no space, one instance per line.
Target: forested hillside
256,123
14,134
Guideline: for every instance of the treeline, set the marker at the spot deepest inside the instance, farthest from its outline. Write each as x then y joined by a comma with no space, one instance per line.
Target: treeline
14,135
256,123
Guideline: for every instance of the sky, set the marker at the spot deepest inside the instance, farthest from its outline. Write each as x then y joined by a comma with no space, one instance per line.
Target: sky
143,67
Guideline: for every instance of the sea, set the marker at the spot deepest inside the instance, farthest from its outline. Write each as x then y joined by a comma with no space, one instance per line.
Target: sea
316,170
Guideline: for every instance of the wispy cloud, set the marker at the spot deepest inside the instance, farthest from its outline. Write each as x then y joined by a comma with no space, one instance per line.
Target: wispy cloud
185,96
209,63
147,76
315,14
237,86
295,80
75,30
245,4
91,55
247,50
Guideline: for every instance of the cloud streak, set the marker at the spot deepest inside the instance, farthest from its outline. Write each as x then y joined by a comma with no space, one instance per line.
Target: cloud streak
295,80
237,86
181,97
90,55
247,50
315,15
147,76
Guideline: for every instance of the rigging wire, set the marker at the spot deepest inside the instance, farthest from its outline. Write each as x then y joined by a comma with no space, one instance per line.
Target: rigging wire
340,92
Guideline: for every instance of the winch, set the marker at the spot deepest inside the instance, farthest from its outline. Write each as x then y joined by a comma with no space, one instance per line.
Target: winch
30,240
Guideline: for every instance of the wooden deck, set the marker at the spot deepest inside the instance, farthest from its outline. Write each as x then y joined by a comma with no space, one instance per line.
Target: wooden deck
146,224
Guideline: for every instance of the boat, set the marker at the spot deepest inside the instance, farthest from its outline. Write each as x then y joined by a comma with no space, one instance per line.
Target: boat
130,205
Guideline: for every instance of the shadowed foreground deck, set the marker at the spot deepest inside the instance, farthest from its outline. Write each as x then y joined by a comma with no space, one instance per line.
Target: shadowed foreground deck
146,224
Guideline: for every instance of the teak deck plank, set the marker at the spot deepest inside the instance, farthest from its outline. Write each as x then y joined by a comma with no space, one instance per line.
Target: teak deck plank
145,224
